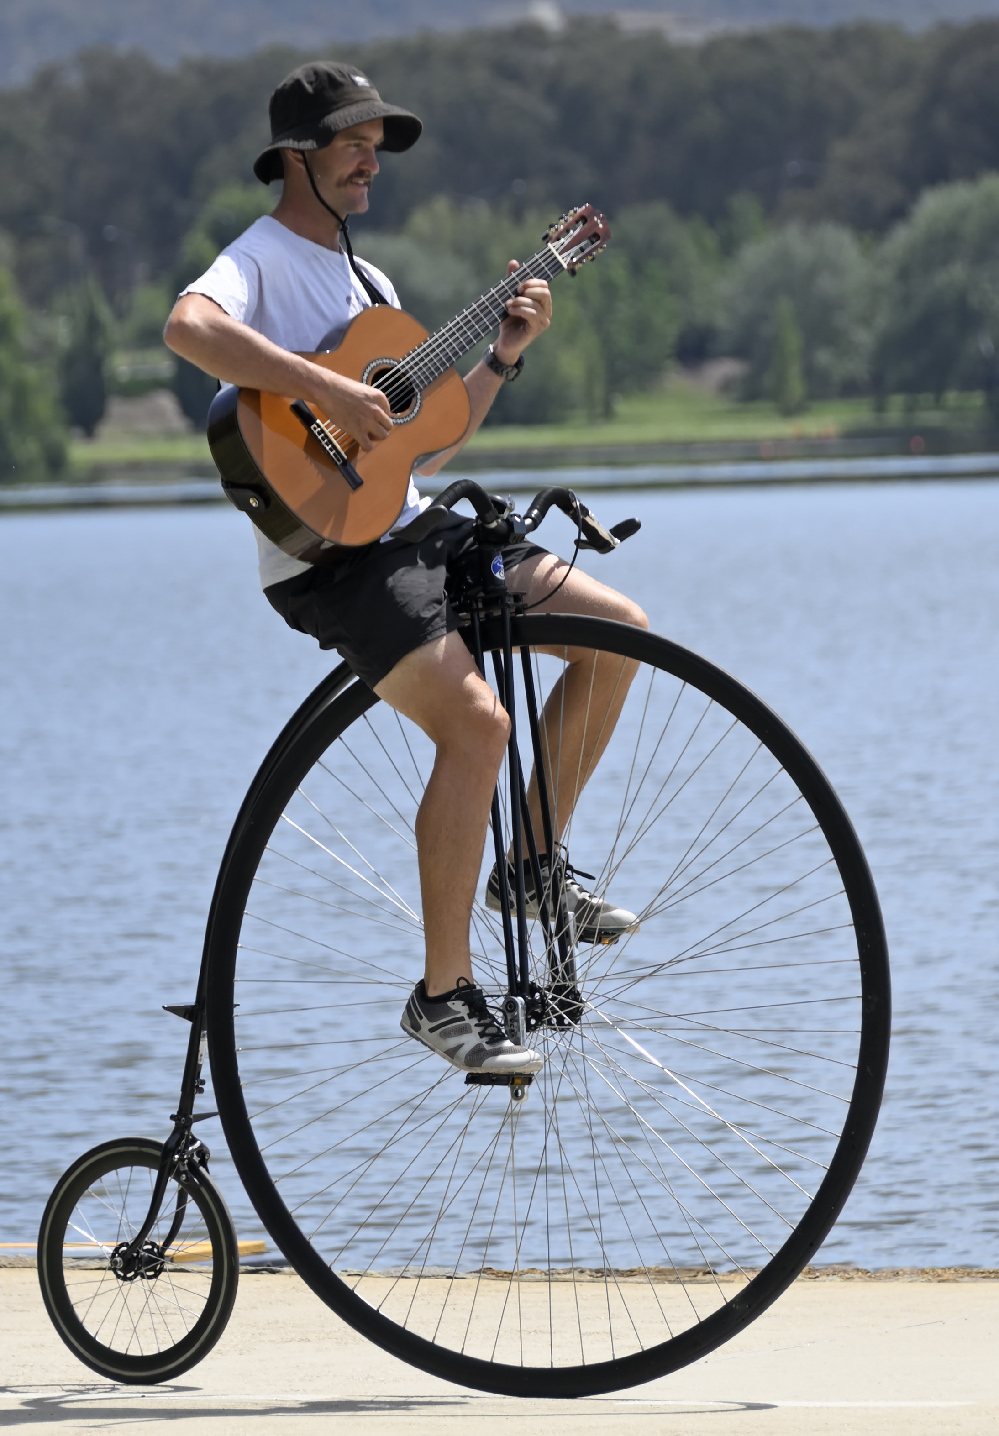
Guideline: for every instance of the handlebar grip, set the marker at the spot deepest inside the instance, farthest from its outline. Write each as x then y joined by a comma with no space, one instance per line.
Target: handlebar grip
417,529
563,499
466,489
626,528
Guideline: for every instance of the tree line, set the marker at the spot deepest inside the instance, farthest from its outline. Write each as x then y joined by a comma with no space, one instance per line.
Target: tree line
106,162
765,192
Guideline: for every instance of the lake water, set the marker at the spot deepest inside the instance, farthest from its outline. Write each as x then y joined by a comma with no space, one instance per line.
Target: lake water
143,678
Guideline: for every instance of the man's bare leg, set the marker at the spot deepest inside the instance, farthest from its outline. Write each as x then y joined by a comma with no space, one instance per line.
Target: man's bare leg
585,703
439,687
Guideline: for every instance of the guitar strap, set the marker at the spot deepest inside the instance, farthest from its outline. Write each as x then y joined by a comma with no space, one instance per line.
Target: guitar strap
371,290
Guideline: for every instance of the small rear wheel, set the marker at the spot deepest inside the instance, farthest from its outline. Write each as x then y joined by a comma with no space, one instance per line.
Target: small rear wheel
149,1320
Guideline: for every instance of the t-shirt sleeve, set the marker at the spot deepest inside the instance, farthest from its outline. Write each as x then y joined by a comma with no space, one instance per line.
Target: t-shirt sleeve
233,281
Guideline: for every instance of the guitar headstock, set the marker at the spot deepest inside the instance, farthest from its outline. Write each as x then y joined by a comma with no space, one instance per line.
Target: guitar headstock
578,236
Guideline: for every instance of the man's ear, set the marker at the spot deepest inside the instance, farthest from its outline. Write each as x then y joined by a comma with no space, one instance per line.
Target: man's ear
291,160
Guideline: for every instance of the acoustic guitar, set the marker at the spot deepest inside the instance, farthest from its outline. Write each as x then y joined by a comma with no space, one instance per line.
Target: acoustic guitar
305,482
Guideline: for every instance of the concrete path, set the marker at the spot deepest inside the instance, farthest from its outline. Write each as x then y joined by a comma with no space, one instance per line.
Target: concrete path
870,1357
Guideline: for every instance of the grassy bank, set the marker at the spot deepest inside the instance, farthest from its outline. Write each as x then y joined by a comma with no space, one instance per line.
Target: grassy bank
679,413
128,450
682,414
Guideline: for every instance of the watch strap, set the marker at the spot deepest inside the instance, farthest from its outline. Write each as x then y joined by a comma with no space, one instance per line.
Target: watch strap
507,372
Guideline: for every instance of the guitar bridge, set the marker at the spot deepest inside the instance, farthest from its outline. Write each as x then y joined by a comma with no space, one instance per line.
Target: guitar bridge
308,420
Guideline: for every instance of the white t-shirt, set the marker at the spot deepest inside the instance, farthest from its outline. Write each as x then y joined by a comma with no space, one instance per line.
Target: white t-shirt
301,296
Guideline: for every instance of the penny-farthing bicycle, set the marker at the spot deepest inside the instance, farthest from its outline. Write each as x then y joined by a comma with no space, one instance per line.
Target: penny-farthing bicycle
711,1080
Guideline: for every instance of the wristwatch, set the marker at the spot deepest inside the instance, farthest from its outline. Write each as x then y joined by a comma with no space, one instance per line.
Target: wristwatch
508,372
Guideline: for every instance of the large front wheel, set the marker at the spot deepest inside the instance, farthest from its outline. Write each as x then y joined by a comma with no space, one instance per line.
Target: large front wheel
701,1116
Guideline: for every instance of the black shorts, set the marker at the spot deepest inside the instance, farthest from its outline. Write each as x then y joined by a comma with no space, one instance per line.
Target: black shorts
376,604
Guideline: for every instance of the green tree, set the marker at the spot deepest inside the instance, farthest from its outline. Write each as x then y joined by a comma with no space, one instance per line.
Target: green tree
432,285
745,222
787,383
149,305
826,278
633,320
939,273
565,372
83,363
675,265
32,429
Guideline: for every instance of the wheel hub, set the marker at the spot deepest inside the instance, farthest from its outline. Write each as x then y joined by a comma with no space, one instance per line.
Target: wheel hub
146,1264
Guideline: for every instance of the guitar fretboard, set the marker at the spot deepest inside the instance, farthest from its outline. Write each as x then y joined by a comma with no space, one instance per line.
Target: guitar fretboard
429,360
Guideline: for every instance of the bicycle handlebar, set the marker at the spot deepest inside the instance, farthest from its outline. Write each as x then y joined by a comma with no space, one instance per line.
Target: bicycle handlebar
594,535
445,501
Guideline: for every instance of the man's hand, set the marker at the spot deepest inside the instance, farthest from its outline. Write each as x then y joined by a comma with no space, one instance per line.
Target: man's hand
200,331
528,314
363,412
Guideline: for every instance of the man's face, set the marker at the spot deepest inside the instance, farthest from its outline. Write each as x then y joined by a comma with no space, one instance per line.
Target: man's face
345,168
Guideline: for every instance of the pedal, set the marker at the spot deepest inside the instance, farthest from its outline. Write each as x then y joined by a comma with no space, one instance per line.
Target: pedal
498,1079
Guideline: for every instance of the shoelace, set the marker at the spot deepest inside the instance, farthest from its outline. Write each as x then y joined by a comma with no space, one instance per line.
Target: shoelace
569,874
478,1010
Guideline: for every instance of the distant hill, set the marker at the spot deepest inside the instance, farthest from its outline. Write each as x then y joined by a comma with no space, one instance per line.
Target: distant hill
34,32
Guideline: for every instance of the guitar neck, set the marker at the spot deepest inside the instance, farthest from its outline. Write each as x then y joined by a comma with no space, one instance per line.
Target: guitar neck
429,360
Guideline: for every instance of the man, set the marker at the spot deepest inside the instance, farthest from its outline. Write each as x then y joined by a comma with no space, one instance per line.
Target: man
290,283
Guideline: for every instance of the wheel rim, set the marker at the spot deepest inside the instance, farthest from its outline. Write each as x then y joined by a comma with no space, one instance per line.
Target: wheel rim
130,1319
690,1141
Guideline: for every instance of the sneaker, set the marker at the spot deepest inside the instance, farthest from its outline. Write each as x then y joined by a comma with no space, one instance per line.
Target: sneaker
459,1026
595,920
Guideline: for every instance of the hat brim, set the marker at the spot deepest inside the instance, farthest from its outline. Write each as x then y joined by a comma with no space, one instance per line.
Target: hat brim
402,130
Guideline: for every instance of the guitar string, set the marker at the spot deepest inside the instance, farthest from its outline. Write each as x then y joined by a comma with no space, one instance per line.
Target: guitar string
439,351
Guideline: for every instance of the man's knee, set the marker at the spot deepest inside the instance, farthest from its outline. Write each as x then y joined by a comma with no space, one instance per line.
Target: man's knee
475,723
440,688
627,611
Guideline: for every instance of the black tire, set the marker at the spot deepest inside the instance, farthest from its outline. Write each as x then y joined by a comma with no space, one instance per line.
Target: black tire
151,1328
657,1219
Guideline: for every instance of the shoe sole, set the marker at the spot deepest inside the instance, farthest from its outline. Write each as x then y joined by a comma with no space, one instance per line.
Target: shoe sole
486,1071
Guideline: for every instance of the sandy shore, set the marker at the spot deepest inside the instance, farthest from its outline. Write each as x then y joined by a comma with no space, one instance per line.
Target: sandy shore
908,1353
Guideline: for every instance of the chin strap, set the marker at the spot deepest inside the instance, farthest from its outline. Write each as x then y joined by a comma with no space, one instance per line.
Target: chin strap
373,293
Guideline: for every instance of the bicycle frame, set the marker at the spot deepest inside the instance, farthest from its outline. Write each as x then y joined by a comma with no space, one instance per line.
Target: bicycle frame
525,1006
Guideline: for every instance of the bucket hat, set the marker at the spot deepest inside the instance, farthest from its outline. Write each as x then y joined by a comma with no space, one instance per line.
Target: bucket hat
316,101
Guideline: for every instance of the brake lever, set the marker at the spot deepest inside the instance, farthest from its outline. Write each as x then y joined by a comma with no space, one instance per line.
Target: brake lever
600,539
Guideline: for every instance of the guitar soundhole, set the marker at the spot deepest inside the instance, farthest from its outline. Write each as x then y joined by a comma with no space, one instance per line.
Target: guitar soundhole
403,396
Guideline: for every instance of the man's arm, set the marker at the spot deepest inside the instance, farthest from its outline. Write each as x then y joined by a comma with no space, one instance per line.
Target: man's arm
200,331
528,314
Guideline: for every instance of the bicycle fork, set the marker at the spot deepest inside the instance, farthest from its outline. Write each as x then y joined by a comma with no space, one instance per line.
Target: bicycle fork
140,1258
526,1005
